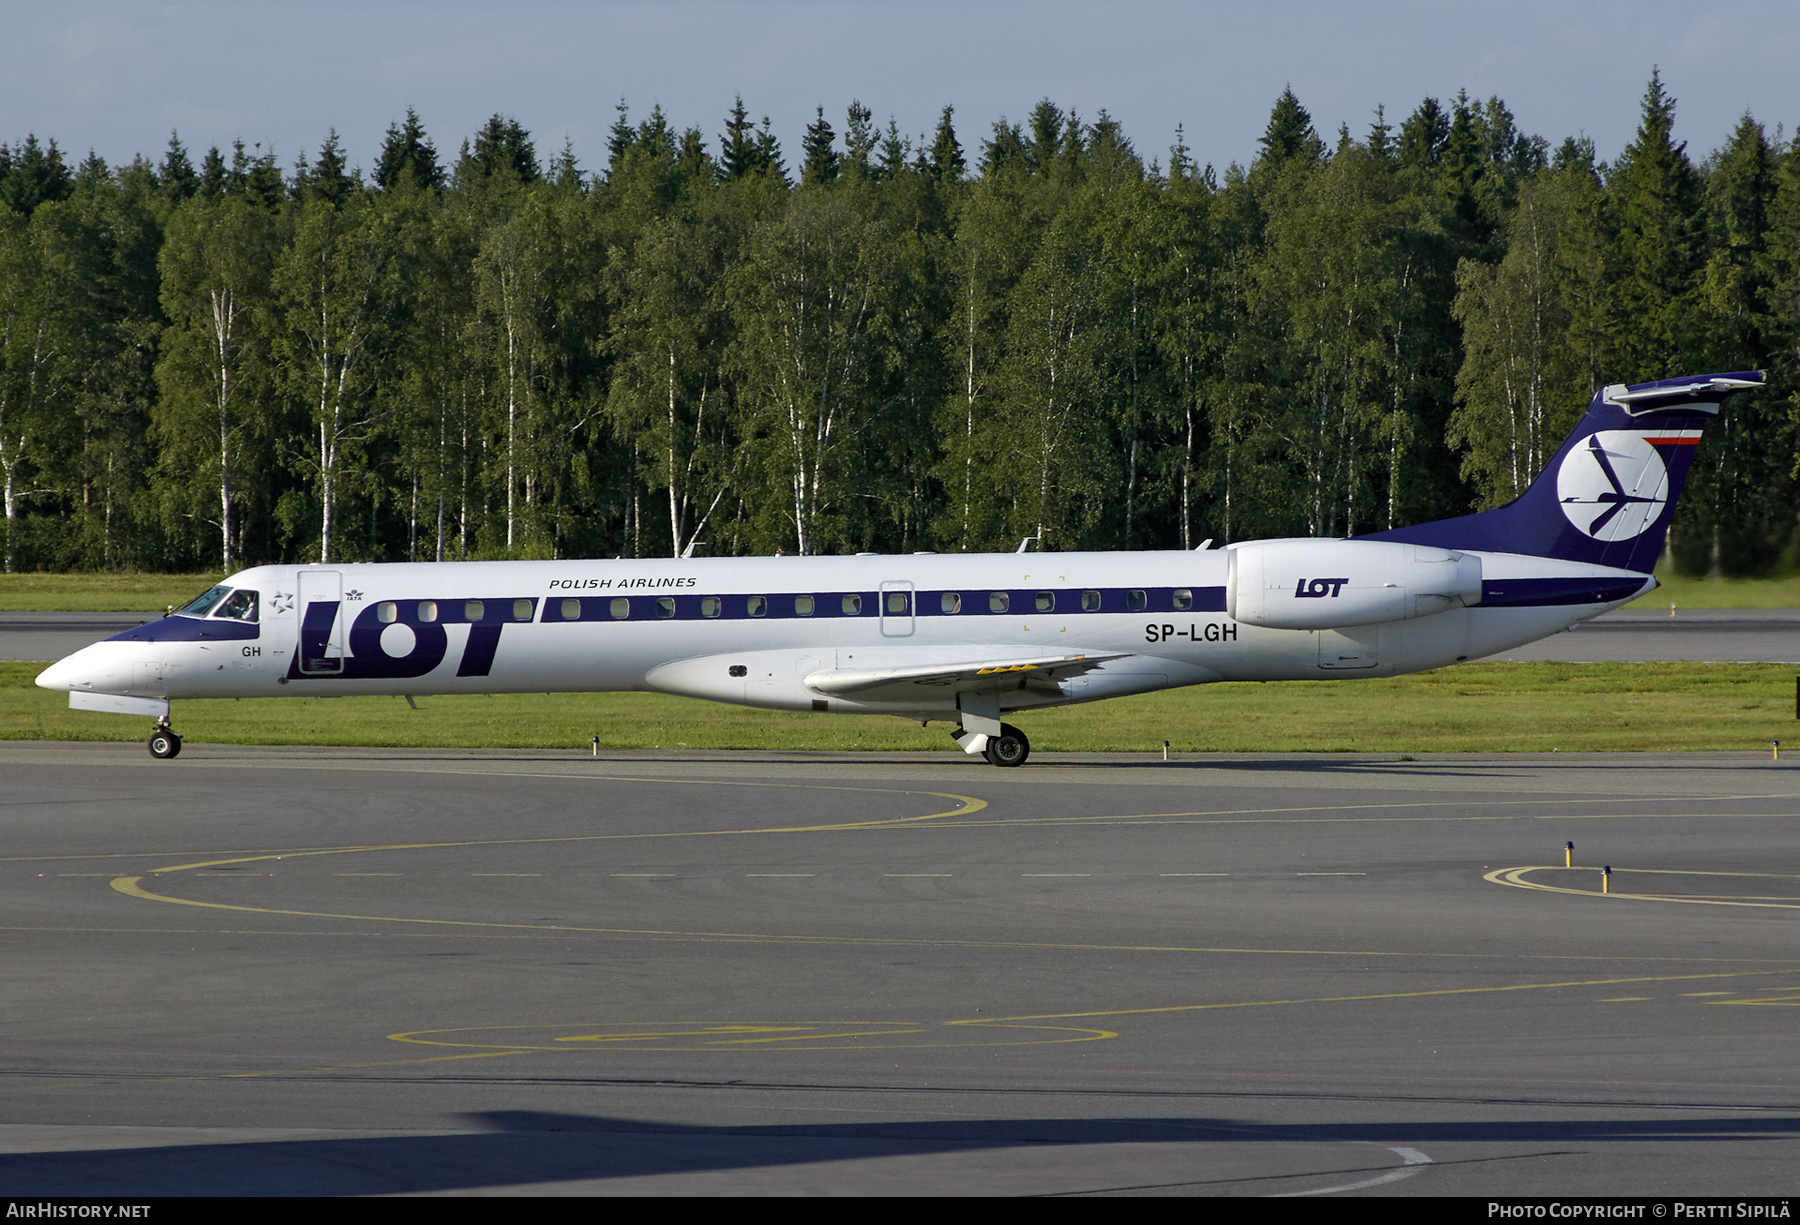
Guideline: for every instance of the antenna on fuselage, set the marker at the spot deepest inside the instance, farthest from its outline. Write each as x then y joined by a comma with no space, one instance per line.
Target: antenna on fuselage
1025,543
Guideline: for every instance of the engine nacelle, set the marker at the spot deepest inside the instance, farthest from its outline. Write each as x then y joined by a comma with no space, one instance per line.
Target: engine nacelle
1330,584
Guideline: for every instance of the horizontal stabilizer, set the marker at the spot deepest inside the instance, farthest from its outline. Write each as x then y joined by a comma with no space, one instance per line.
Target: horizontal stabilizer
1670,395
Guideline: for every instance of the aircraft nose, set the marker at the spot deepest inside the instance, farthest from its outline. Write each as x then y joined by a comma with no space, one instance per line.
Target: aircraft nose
58,676
85,669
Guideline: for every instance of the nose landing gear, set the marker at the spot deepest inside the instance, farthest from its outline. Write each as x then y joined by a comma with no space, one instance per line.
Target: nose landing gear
164,743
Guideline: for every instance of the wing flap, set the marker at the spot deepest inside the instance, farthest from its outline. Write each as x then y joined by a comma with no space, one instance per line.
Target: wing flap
893,684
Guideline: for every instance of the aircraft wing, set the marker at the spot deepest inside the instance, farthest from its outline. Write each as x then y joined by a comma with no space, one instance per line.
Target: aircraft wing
897,684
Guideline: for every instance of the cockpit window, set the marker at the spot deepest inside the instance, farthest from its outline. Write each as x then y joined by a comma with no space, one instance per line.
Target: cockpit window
240,605
200,606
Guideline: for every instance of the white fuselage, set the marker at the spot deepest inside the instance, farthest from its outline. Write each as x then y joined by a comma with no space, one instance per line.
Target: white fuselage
892,634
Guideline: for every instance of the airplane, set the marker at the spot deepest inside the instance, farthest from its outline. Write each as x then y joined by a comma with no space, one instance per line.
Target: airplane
965,639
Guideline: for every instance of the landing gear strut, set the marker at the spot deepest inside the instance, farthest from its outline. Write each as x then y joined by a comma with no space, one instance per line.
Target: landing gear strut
164,743
980,730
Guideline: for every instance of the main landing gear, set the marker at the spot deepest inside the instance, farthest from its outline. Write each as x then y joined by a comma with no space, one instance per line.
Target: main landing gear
164,743
1009,748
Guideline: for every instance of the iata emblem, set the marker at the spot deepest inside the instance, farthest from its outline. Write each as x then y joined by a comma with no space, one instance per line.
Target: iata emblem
1612,486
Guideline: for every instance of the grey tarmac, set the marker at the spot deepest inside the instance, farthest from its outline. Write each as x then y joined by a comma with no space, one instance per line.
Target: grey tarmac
1703,635
327,971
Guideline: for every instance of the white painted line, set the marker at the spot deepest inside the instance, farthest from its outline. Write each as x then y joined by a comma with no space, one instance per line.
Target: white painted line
1415,1162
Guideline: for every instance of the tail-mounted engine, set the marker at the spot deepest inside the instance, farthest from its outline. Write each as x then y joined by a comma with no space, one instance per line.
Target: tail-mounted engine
1330,584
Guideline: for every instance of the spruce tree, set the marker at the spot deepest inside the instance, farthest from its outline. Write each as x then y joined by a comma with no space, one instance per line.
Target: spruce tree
619,139
502,149
947,161
859,138
326,178
737,147
176,177
1046,141
213,175
1656,198
1290,134
1423,135
1005,148
408,158
820,164
32,174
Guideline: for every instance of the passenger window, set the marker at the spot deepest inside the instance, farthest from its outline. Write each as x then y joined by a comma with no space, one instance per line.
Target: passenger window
803,606
1090,601
1184,599
427,611
571,610
522,610
621,609
1046,601
852,605
998,601
385,612
665,606
241,606
1135,601
896,601
710,605
756,606
472,610
951,601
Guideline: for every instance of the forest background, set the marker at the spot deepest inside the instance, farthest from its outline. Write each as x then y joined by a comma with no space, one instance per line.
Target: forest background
896,345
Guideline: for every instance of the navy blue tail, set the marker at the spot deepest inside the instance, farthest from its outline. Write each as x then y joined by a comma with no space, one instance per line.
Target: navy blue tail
1609,494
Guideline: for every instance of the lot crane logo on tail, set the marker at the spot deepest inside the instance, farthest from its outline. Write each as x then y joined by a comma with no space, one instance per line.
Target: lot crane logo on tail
1614,487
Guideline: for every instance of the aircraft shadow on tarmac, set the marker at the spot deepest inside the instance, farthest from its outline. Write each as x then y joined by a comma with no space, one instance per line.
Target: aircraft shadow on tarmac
529,1147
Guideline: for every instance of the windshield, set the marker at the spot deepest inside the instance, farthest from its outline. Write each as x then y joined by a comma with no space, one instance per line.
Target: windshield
199,606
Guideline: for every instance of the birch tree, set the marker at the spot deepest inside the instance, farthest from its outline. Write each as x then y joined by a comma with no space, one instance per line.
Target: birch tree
329,287
811,302
214,416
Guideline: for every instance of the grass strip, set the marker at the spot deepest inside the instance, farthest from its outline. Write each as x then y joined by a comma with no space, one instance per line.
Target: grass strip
138,593
1684,592
1488,707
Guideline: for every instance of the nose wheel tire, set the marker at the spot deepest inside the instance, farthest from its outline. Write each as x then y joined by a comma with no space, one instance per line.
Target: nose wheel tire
164,745
1009,748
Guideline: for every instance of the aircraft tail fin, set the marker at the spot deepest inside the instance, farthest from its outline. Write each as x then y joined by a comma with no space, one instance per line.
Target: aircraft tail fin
1609,494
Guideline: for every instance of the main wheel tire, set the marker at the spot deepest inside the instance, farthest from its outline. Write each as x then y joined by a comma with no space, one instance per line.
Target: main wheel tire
1009,748
164,745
